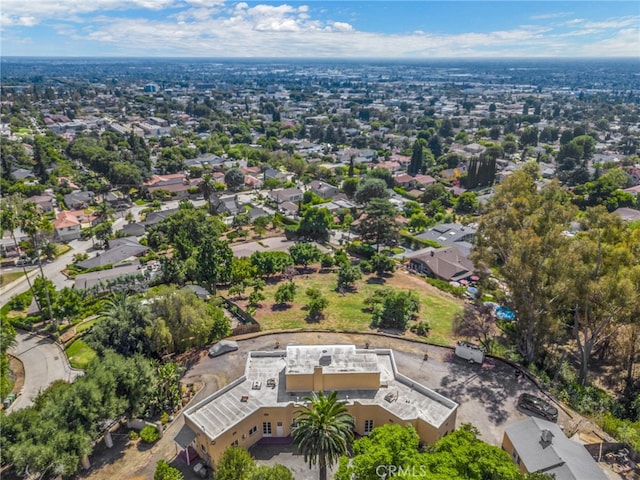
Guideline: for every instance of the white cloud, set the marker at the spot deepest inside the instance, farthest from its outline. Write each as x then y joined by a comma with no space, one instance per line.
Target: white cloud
548,16
40,10
212,28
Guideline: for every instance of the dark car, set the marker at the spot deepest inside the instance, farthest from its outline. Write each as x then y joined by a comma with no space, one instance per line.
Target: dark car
222,347
538,407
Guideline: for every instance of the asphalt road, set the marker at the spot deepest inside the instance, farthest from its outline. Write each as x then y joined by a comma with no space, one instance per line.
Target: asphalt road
44,362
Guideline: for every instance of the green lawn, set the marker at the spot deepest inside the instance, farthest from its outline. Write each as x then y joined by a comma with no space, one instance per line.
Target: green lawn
346,312
6,278
61,249
86,325
80,354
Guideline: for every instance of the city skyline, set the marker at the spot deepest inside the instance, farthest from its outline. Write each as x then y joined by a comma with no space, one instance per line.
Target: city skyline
320,29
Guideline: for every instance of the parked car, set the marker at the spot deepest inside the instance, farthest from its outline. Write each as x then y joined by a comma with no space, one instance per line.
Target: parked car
470,352
222,347
26,261
538,407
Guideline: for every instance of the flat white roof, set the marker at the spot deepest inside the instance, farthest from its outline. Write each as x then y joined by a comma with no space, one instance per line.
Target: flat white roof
303,359
264,385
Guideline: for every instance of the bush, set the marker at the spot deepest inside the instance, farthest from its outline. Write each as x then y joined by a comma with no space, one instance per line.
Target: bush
133,435
20,301
361,249
421,328
149,434
326,261
365,267
446,286
164,471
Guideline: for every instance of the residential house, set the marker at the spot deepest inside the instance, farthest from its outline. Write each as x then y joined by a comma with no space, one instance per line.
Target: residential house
156,217
69,223
451,235
323,189
257,212
423,180
635,190
177,184
289,209
444,263
278,175
79,199
263,402
120,249
136,229
404,180
46,202
225,204
252,182
286,195
628,214
537,445
634,174
201,292
88,280
22,174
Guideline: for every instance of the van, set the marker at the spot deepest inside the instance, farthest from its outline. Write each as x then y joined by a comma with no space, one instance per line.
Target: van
470,352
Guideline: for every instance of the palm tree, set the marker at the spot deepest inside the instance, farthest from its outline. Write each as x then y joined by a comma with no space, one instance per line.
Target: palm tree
325,430
35,224
9,222
207,186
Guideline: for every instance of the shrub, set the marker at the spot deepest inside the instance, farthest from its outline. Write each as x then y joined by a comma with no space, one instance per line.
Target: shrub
365,267
164,418
149,434
133,435
421,328
446,286
326,261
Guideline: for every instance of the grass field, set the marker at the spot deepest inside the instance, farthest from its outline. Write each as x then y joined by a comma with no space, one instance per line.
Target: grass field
347,311
62,249
6,278
80,354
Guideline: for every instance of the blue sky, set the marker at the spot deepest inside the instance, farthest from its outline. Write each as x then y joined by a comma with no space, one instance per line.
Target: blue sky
335,29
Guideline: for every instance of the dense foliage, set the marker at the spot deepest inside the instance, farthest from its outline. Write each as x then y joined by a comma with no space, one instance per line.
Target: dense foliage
394,450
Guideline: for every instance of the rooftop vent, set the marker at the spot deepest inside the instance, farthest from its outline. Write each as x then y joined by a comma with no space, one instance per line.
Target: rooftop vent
257,385
244,398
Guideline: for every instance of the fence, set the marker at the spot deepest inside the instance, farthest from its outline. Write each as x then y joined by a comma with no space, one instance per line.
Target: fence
247,324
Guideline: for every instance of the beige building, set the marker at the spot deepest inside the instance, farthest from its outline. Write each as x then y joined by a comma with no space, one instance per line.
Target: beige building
263,402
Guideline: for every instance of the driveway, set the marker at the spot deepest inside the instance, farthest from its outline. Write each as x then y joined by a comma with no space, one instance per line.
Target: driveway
44,362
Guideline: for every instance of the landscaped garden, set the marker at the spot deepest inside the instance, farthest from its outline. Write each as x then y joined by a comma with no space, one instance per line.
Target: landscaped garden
347,311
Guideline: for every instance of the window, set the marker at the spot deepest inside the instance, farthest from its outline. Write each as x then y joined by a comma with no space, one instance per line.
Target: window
368,426
235,443
266,429
253,430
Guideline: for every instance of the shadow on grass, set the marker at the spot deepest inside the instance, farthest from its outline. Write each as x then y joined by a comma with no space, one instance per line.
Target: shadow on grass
376,280
280,307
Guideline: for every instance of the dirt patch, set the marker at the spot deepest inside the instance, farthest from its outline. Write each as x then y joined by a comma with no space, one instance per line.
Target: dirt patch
17,373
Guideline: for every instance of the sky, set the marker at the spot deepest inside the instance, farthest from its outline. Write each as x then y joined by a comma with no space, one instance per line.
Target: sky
418,29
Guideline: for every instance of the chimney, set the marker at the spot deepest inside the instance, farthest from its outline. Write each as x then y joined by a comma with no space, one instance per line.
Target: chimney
546,438
432,253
